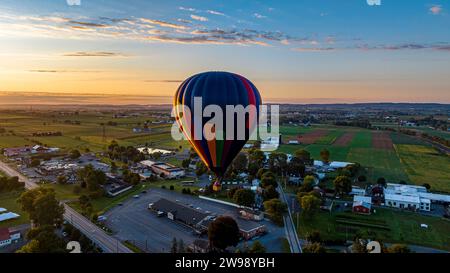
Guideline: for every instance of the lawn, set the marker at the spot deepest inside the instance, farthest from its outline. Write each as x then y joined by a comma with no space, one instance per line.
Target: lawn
9,202
294,130
398,138
337,153
395,227
8,141
424,164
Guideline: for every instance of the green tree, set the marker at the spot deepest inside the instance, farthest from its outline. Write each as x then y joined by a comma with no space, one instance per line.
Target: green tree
35,162
74,154
174,248
275,209
314,248
42,206
314,237
244,197
381,181
185,163
278,163
62,180
398,248
342,185
269,179
310,204
270,193
257,247
303,156
325,155
43,240
223,232
308,184
240,163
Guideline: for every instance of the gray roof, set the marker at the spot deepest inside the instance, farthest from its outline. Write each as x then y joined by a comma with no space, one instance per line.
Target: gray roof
181,213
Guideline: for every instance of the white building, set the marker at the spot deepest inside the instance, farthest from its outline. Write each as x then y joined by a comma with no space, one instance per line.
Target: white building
168,170
411,197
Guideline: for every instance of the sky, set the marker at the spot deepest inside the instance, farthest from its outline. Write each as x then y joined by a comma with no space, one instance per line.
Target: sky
297,51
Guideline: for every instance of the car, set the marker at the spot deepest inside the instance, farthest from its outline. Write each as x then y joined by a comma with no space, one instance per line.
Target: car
120,204
136,196
64,234
144,191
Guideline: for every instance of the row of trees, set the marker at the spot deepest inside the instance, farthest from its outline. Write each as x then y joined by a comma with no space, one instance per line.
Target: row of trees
9,184
124,154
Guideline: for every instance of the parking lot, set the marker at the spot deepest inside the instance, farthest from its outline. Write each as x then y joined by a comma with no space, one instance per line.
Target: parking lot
132,221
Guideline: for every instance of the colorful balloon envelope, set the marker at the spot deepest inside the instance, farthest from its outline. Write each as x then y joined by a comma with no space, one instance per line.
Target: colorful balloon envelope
223,90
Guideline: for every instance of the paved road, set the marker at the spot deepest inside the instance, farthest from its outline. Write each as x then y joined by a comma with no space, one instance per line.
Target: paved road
291,232
93,232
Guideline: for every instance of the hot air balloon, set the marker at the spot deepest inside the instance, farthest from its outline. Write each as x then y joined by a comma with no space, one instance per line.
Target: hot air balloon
222,89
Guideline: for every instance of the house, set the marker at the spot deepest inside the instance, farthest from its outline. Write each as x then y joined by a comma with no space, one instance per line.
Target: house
12,152
362,204
7,237
293,142
165,169
180,213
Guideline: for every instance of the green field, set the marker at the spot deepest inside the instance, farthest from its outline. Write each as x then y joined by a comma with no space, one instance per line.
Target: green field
390,226
413,160
425,164
86,135
9,202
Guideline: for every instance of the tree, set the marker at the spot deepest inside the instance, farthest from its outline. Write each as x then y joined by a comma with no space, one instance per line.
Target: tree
200,168
257,247
398,248
43,240
314,248
308,184
296,167
35,162
269,179
174,248
303,156
314,237
42,206
278,163
275,209
131,178
381,181
244,197
342,185
427,186
91,178
270,193
310,204
362,178
74,154
62,180
240,163
113,167
325,155
185,163
256,157
223,232
181,247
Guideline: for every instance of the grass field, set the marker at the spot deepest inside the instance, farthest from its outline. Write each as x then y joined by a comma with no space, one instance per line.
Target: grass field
330,137
388,225
9,202
425,164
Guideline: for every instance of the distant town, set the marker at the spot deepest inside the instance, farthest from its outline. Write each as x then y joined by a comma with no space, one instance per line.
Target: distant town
113,179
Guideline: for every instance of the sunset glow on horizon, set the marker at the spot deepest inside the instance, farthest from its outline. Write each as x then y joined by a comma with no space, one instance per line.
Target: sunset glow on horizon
294,51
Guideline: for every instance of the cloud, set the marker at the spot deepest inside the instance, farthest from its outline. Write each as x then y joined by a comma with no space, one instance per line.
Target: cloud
61,71
259,16
199,18
314,49
94,54
162,23
164,81
436,9
187,9
215,12
87,24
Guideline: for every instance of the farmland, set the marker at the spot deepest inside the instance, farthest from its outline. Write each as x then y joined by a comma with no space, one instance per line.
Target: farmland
386,225
391,155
